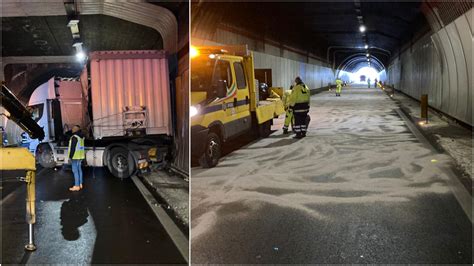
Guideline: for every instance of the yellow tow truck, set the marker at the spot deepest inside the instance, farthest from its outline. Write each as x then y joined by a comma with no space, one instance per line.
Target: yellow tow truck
226,101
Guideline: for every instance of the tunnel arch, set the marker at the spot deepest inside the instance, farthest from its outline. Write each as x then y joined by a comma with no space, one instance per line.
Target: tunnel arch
356,61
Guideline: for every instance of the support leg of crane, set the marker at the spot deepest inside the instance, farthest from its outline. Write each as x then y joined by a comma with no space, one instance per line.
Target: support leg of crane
30,209
31,243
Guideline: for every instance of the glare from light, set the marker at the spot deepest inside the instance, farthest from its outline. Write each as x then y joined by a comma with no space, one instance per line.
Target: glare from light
193,111
80,56
193,52
366,46
367,55
212,56
362,28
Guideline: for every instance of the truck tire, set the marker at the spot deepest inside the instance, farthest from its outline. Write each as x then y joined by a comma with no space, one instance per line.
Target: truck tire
265,129
44,156
212,152
121,163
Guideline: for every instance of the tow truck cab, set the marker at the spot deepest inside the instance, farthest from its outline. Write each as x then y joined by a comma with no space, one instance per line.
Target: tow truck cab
225,100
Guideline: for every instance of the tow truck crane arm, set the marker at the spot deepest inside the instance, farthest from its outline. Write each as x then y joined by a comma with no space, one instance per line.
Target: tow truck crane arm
20,114
14,158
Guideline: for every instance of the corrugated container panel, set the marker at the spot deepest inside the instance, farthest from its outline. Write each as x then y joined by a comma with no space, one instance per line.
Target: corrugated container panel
121,79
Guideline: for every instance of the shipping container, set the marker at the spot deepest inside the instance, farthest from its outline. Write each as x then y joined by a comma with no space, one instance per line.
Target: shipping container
129,91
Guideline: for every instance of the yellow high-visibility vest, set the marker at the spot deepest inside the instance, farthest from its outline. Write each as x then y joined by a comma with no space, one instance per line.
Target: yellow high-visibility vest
79,153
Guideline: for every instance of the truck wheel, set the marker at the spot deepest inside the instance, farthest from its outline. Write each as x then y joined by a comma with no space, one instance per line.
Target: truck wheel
121,163
44,156
212,153
265,129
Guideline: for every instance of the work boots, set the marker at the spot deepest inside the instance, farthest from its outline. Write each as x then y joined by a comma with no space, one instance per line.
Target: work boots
298,135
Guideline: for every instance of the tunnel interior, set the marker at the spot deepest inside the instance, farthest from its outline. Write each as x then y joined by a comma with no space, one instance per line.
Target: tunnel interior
419,47
328,31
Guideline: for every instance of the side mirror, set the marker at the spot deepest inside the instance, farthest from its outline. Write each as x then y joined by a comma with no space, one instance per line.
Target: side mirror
221,89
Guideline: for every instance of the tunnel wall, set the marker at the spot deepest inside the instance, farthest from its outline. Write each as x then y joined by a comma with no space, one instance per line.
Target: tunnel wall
344,76
440,65
285,64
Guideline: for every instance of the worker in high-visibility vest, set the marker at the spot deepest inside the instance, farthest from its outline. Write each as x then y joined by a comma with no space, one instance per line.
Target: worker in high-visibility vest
338,87
299,104
289,118
76,154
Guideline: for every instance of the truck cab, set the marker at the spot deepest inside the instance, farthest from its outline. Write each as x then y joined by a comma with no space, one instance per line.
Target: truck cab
225,100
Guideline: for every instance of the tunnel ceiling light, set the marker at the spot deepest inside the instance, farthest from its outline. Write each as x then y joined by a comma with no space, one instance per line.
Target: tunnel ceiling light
366,46
80,56
367,55
362,28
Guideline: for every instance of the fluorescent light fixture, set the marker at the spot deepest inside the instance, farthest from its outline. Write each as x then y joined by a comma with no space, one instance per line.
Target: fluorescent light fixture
362,28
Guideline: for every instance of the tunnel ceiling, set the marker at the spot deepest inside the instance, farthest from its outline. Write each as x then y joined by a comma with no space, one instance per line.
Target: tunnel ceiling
46,36
317,26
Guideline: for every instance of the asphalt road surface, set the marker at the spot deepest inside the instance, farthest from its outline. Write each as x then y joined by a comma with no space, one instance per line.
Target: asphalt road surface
107,222
360,188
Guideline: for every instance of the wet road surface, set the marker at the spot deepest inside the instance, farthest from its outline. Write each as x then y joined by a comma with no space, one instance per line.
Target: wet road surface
360,188
107,222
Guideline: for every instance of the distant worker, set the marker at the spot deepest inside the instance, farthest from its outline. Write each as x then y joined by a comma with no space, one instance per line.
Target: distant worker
299,104
379,84
76,153
368,82
375,83
338,86
289,118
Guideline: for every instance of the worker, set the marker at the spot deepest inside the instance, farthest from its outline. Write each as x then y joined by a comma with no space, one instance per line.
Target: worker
289,118
338,87
375,83
299,105
76,153
368,82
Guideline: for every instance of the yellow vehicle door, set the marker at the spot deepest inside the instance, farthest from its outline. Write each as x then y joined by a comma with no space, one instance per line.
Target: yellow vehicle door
241,99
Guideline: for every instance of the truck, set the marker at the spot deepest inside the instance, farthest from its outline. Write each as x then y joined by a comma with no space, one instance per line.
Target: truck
121,100
226,100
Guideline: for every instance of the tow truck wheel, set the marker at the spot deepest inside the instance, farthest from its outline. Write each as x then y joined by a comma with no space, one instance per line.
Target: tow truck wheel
44,156
265,129
212,153
121,164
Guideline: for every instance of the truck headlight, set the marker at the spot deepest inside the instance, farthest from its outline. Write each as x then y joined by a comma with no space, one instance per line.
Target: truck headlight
193,110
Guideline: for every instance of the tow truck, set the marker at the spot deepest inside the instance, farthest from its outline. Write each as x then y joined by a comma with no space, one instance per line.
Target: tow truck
226,101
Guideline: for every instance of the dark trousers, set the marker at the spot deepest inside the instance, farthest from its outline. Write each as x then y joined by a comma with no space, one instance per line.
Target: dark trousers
300,111
300,122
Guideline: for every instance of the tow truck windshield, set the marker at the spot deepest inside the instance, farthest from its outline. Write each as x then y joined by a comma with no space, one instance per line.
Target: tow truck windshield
201,74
